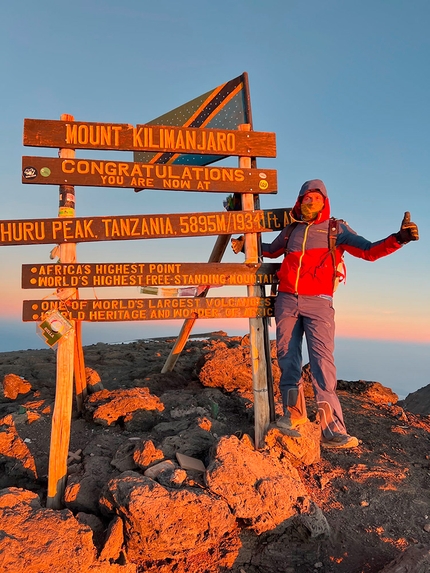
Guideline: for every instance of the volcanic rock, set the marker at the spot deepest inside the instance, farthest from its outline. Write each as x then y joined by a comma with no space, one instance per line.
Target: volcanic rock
172,530
14,385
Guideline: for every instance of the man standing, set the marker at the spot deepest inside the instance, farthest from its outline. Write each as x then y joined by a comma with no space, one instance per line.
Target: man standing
304,304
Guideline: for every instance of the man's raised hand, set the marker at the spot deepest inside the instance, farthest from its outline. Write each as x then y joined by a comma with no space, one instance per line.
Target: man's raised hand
408,230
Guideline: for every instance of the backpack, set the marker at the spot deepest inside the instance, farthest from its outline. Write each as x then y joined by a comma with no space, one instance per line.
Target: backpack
333,231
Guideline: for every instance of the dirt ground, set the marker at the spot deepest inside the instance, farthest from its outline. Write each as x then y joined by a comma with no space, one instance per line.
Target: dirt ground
375,497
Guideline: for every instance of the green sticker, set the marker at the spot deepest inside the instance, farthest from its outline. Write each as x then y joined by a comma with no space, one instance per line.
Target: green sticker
45,172
66,212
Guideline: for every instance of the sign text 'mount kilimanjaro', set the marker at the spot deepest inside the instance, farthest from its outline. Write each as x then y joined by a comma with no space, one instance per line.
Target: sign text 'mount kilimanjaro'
114,310
159,138
79,275
99,173
120,228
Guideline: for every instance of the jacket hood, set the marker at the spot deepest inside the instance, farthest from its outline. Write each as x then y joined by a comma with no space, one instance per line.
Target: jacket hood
313,185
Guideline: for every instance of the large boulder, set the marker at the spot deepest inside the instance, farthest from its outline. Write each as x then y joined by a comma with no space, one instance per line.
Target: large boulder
172,530
35,539
229,367
109,407
260,489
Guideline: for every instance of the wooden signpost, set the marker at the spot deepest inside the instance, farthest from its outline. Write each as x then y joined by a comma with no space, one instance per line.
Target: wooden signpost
98,173
124,137
62,275
67,230
131,227
256,328
66,353
123,309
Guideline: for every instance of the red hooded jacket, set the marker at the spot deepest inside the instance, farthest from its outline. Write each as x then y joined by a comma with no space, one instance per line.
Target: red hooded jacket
308,268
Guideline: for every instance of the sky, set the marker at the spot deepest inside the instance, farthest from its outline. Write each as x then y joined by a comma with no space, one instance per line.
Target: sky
343,84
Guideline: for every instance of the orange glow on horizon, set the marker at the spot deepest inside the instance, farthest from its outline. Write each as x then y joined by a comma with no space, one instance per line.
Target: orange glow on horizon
384,327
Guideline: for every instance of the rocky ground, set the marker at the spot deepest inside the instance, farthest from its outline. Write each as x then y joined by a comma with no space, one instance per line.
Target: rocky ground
133,505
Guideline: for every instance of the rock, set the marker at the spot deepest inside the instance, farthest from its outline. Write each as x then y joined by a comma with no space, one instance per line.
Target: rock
183,412
195,443
418,402
260,489
154,471
114,541
415,559
97,526
141,421
171,428
389,471
172,477
35,539
304,450
123,459
94,383
106,444
155,530
15,457
14,385
146,454
83,487
204,423
230,368
312,519
108,407
374,391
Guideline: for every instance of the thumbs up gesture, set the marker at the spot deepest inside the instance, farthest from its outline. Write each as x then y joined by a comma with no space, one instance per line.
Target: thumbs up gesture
408,230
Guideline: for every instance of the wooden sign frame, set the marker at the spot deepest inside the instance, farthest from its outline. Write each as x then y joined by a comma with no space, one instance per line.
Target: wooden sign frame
102,173
156,138
132,227
143,309
122,274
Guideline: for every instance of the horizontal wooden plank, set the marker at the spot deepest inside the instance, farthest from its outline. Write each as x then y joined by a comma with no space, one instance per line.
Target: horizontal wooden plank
100,173
131,227
157,138
135,309
75,275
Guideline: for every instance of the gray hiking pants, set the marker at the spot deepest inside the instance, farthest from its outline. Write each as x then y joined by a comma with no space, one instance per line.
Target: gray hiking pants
312,316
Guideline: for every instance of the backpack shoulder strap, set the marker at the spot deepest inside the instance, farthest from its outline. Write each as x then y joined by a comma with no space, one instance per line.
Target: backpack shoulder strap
338,263
333,231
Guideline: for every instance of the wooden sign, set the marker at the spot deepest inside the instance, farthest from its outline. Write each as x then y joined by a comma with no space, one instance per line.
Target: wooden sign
129,227
157,138
97,173
79,275
134,309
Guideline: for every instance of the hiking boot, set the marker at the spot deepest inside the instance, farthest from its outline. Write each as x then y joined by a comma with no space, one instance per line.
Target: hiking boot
339,441
289,426
287,423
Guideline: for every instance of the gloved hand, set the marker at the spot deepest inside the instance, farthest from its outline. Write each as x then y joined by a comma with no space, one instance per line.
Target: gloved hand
408,230
238,245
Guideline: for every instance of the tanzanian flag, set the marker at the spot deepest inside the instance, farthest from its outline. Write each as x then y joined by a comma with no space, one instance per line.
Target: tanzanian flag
224,107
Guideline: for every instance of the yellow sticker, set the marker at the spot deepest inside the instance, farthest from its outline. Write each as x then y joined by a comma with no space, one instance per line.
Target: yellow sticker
263,184
66,212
